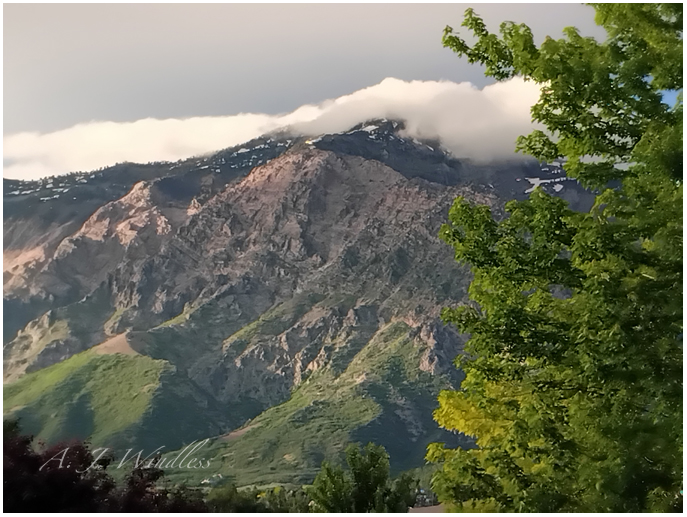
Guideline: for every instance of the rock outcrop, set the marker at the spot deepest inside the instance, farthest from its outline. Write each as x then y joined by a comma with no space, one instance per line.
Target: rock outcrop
265,266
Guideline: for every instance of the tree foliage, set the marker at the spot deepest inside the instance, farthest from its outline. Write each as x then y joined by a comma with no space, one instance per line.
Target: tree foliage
573,386
282,500
365,487
68,478
229,499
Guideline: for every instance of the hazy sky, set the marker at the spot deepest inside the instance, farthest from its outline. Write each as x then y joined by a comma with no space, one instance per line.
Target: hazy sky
69,64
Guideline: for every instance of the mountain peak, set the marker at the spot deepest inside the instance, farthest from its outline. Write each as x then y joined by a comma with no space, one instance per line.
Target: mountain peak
304,271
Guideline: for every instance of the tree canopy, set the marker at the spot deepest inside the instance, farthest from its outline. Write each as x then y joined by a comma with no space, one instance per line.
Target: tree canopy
67,477
573,386
365,487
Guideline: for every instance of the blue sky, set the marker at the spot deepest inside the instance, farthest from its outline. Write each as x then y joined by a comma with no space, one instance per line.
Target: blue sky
670,96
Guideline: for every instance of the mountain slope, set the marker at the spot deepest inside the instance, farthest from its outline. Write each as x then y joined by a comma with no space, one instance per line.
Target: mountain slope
383,395
260,285
114,400
39,215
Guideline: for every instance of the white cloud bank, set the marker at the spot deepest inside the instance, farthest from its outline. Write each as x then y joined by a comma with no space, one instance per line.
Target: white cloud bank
478,124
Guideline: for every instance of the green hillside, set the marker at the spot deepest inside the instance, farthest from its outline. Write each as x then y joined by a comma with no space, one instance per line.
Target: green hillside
115,401
370,389
382,396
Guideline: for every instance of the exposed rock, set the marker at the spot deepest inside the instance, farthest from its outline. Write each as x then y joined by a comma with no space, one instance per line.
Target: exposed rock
251,279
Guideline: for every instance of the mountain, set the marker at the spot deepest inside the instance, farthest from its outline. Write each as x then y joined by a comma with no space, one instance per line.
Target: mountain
280,297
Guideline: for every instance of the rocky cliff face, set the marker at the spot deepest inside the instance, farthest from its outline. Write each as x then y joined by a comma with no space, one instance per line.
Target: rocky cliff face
258,269
39,215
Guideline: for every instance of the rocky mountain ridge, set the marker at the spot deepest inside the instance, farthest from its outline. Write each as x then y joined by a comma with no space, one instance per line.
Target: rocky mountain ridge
258,270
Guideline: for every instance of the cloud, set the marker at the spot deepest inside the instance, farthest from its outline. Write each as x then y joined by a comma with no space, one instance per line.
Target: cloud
472,123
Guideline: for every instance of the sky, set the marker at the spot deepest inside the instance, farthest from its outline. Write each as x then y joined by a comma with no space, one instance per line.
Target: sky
143,82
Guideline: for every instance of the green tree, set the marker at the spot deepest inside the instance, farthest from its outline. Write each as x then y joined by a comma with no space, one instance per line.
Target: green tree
228,499
282,500
573,386
365,487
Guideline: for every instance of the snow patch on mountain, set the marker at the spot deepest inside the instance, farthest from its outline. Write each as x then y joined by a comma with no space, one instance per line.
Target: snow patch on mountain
472,123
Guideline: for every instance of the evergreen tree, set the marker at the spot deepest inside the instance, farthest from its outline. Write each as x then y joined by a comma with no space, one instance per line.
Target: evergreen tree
573,386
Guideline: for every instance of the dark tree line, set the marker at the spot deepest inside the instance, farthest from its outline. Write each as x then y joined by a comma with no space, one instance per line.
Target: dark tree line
66,477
